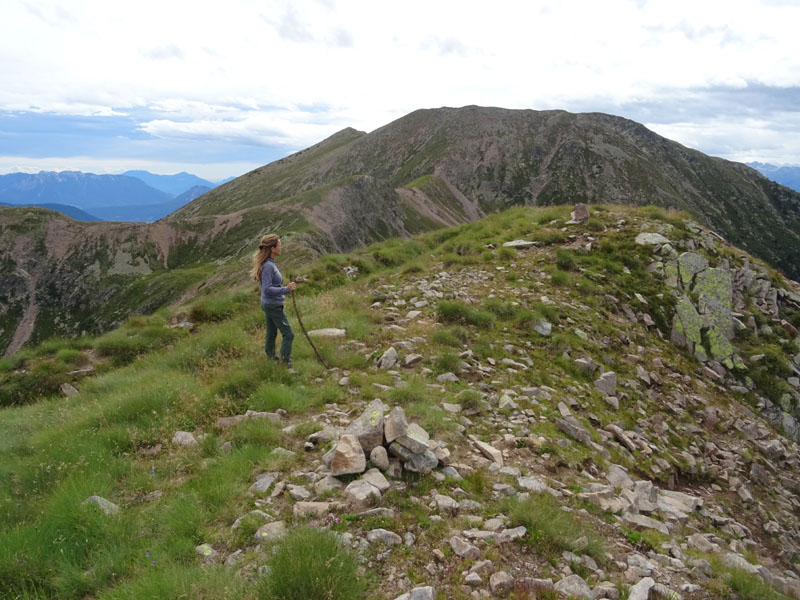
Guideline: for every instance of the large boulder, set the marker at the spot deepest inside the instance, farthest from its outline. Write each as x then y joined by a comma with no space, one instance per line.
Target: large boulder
714,288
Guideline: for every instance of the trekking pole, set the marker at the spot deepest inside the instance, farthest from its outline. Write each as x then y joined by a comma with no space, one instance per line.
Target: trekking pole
303,327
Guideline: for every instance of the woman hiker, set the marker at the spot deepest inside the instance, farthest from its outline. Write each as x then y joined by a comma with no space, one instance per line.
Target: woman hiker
266,273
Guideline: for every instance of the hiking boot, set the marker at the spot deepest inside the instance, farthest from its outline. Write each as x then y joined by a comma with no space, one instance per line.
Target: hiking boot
288,364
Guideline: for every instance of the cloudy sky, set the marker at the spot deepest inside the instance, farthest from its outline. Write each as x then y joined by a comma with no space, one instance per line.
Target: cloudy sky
218,88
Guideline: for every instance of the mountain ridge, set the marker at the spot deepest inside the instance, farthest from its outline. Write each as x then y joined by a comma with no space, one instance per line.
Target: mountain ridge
496,158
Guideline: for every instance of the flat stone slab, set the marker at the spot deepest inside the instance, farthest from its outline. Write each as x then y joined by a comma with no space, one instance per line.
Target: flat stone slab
490,452
376,478
415,439
328,332
384,536
463,549
577,432
641,521
651,239
533,484
317,509
574,586
519,244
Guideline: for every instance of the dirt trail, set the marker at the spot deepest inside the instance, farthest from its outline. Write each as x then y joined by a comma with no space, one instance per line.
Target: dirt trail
25,327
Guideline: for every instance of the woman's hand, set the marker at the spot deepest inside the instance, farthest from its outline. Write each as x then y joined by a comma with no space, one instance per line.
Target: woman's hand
292,285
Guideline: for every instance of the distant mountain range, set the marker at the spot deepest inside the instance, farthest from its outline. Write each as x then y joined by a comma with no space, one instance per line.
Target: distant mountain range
174,185
788,176
133,196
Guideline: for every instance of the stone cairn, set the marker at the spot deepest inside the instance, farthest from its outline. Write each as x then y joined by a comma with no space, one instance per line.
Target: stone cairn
389,441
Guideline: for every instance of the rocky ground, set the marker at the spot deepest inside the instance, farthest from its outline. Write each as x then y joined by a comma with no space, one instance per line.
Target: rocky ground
656,441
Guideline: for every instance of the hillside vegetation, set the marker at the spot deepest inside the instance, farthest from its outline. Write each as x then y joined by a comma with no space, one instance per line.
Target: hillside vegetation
580,442
430,169
490,159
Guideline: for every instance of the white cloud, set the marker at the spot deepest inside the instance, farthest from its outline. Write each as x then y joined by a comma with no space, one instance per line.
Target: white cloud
249,69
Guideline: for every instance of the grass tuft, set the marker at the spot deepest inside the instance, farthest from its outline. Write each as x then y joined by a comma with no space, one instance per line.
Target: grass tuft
312,563
552,531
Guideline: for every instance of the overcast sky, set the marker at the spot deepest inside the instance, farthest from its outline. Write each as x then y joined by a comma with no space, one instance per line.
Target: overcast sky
218,88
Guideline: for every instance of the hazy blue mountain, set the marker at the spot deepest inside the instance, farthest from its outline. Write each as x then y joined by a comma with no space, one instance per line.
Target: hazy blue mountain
150,212
192,193
788,176
82,190
173,185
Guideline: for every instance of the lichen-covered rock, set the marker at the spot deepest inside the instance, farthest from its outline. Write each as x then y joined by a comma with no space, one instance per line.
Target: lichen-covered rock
689,265
714,288
270,532
686,328
718,345
671,273
368,427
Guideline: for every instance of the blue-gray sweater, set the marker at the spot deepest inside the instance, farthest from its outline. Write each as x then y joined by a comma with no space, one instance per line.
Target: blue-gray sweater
272,289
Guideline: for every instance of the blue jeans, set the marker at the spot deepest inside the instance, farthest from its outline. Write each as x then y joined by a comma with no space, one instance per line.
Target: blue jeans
276,320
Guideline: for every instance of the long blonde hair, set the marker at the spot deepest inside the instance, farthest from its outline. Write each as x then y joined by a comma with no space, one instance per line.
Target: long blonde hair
260,256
